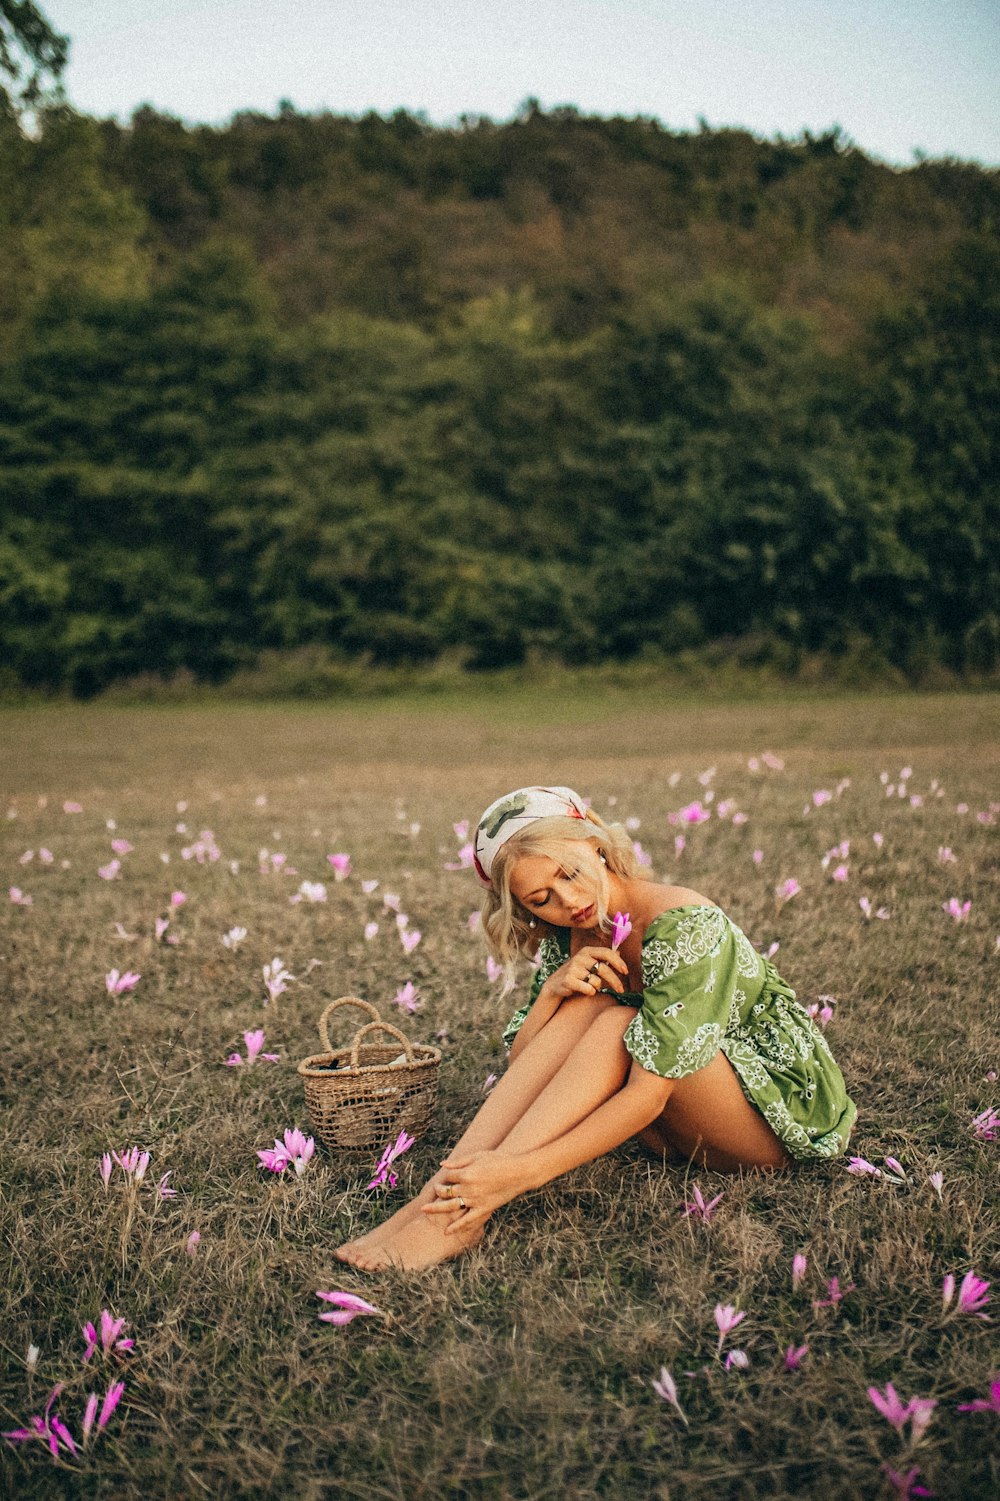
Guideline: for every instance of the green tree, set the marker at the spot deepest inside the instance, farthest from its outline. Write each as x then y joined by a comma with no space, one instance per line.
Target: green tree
32,56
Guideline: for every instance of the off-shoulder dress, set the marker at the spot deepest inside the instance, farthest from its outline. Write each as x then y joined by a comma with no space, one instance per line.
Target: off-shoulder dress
705,987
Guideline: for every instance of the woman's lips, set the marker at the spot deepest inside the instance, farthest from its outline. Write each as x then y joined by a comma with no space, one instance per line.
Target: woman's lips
584,914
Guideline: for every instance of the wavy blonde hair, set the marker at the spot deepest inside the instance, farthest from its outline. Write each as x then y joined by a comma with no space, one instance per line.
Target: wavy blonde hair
509,928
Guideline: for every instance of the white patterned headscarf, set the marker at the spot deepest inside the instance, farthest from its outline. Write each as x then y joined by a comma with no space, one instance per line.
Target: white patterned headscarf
513,812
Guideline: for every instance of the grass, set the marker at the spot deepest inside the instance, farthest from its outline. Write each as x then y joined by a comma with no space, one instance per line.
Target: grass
523,1371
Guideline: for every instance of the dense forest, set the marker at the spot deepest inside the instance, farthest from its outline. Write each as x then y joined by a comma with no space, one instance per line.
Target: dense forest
566,388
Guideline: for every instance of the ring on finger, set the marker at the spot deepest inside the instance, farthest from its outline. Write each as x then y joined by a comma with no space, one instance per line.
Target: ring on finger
462,1204
595,968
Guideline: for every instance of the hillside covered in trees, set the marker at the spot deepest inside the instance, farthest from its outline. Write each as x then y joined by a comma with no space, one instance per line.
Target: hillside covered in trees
567,387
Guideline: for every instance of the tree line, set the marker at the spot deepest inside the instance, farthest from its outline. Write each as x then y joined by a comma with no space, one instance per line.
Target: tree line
567,387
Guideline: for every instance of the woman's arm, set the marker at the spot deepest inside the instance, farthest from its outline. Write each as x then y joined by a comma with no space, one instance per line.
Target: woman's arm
489,1179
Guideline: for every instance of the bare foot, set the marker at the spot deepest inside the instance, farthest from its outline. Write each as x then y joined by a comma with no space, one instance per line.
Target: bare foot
387,1229
419,1242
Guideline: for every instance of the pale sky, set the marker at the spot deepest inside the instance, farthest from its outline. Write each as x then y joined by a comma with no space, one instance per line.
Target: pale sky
897,75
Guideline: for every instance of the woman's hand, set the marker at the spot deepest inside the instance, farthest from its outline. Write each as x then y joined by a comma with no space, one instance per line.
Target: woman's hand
469,1188
587,972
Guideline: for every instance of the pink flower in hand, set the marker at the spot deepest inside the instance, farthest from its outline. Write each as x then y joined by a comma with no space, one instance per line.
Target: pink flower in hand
348,1307
622,928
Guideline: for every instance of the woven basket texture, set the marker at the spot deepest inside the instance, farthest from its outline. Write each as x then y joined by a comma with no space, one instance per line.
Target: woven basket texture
365,1093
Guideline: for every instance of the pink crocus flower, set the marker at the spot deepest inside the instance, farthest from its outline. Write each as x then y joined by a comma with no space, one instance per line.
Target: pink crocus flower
956,909
787,890
409,938
49,1428
383,1178
666,1389
461,828
341,865
984,1404
110,871
19,897
890,1405
494,971
107,1167
699,1210
488,1083
799,1264
862,1168
905,1486
973,1294
986,1125
936,1181
680,844
133,1163
72,807
390,900
946,855
794,1356
868,911
368,887
694,814
736,1360
758,857
160,926
878,840
122,847
834,1293
840,873
108,1340
371,931
464,861
118,984
407,998
295,1150
178,898
726,1320
622,928
193,1242
276,977
348,1307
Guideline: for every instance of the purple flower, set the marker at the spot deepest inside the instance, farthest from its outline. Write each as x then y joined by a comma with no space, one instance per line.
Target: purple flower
973,1295
985,1404
341,865
986,1126
295,1151
834,1293
794,1356
50,1428
408,998
108,1339
905,1486
798,1269
862,1168
726,1320
118,984
736,1360
383,1177
409,938
348,1307
622,928
786,891
699,1210
666,1389
956,909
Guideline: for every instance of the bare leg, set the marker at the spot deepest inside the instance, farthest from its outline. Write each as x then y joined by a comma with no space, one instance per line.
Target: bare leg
515,1092
709,1120
594,1070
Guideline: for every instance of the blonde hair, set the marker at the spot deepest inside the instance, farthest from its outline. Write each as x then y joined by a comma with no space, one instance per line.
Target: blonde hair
509,929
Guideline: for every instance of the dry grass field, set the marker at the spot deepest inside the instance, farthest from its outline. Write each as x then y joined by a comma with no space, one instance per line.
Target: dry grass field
525,1370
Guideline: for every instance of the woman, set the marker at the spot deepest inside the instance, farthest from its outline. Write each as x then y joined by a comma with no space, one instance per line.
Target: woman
683,1037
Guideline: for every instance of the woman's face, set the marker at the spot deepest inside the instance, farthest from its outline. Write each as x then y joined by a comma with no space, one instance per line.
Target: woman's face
561,888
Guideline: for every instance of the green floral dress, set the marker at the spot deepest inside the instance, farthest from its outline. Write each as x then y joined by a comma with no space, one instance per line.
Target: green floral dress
704,988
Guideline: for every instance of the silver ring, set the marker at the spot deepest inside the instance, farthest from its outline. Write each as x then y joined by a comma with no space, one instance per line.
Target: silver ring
595,968
462,1204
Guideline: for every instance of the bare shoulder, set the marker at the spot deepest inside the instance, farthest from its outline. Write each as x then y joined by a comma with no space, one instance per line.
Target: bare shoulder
657,898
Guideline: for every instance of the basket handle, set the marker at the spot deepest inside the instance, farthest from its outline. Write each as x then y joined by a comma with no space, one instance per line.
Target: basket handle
344,1000
379,1026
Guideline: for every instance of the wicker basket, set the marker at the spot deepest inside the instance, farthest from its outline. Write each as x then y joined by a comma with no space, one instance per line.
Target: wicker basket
364,1094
